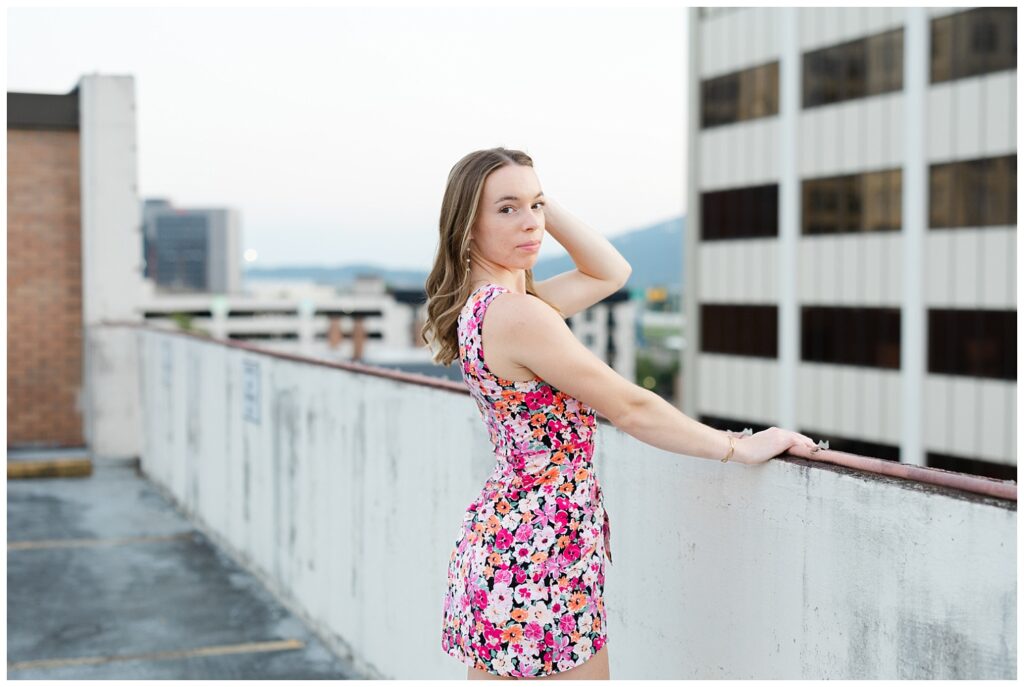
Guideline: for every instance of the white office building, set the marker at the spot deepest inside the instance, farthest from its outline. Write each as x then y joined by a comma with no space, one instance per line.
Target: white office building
852,228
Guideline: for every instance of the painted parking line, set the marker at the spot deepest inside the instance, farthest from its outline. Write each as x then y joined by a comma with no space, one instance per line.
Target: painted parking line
223,649
85,543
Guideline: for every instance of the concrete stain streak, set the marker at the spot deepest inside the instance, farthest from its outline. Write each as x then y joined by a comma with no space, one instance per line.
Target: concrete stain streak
193,421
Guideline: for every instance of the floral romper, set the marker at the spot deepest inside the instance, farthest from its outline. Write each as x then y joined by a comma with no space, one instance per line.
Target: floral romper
526,575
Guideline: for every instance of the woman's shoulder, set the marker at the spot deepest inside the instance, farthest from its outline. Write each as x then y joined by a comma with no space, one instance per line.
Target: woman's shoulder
512,312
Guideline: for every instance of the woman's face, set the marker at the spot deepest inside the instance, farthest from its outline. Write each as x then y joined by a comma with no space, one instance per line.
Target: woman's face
511,214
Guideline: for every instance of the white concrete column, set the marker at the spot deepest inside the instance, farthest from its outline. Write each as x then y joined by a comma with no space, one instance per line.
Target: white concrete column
788,244
112,282
306,310
111,213
913,346
687,392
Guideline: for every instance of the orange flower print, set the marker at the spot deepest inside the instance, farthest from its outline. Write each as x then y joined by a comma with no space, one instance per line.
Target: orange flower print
513,634
493,524
549,476
577,601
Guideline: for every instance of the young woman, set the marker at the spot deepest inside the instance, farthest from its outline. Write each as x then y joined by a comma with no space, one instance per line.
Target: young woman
526,574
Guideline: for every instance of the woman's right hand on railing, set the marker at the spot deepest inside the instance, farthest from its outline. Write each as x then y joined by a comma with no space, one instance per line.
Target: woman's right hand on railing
754,449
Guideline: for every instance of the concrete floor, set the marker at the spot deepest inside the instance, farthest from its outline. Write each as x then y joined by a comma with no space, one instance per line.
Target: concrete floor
106,580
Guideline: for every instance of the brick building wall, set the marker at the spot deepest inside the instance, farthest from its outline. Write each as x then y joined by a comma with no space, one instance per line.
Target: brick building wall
44,289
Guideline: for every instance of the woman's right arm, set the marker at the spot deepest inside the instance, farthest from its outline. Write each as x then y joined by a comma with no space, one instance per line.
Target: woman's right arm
545,345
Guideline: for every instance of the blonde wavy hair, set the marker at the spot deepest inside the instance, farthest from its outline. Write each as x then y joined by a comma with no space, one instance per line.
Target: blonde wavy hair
448,286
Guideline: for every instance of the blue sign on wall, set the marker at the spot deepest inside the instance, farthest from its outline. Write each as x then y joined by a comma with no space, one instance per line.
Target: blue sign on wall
251,391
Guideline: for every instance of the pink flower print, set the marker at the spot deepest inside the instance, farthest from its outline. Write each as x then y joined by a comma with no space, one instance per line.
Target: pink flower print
503,577
523,532
561,520
567,624
555,426
480,598
598,643
539,398
562,503
523,593
563,649
534,632
572,553
503,539
523,445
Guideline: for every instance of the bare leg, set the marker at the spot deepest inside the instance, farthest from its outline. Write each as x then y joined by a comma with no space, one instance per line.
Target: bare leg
594,668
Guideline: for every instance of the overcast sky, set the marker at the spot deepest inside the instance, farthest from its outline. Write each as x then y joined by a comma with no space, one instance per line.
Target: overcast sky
332,130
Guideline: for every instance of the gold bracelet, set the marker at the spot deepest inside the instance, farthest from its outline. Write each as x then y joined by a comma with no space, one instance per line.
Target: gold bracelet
731,447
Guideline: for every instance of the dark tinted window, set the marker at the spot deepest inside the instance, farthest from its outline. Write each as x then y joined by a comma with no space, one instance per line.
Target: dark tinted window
739,329
731,424
856,69
751,212
739,96
869,337
860,447
973,193
974,42
975,343
870,201
971,466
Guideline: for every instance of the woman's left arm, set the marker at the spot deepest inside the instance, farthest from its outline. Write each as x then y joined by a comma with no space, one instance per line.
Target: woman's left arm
600,269
593,254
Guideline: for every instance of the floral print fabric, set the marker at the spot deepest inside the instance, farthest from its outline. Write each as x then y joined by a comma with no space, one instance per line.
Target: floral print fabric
526,574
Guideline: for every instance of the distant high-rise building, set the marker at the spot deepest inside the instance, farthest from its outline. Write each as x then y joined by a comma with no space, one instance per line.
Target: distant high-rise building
851,266
192,250
150,207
